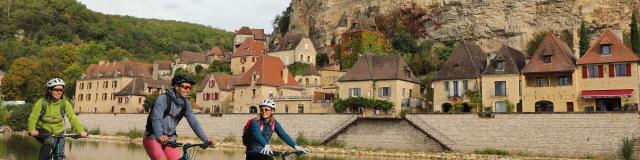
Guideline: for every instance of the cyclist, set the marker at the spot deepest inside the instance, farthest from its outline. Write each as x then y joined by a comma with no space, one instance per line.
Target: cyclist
258,133
47,117
165,115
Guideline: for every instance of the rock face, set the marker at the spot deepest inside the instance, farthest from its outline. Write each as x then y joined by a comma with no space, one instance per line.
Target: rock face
488,23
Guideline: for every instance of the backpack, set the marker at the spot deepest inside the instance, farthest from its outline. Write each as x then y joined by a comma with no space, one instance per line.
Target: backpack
246,133
44,105
167,110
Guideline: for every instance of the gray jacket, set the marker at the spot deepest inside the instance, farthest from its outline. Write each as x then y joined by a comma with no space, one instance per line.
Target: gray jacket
167,125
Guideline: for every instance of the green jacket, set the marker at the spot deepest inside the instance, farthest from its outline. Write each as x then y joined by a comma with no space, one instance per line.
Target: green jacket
52,120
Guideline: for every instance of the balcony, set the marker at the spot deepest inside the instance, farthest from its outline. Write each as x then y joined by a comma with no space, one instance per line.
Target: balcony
292,97
412,102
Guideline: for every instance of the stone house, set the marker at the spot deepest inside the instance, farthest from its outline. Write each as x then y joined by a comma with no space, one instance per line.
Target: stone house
189,61
501,80
295,47
245,57
246,32
216,91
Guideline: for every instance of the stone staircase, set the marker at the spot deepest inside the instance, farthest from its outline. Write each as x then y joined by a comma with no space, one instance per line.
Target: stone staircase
331,134
430,131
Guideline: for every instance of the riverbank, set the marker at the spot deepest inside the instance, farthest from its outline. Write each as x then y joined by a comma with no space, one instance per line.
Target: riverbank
390,154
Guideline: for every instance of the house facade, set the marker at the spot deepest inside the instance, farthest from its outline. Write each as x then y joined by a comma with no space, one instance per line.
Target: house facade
295,47
190,61
501,81
216,93
245,33
245,57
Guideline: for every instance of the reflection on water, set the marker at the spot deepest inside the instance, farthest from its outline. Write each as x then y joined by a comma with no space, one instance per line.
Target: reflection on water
18,147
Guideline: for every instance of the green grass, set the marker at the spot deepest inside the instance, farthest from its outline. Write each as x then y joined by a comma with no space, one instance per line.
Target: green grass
336,144
277,141
94,131
134,133
303,141
493,151
627,148
229,138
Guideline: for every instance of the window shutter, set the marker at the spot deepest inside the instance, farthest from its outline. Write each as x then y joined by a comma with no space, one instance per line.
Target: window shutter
584,71
600,71
612,70
628,69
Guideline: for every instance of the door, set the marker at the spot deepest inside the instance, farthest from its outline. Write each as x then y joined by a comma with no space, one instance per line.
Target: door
501,106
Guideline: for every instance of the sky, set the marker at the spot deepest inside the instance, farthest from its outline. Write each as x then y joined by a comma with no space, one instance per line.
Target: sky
229,15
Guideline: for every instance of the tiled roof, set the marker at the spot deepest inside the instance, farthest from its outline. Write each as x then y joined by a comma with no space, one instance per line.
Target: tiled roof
216,51
224,82
164,65
362,22
290,41
268,71
258,34
250,47
343,20
513,61
244,30
311,71
126,68
379,67
187,57
619,51
562,59
465,62
138,86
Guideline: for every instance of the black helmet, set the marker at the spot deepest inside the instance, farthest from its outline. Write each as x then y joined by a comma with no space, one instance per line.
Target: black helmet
181,78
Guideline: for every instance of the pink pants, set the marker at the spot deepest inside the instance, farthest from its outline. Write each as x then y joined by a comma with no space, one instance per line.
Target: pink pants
156,151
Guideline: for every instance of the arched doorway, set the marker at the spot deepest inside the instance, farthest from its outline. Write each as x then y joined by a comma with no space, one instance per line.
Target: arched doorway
466,107
123,110
544,106
446,107
253,109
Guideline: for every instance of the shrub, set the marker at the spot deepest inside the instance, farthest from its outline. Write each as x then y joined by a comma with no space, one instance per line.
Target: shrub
229,138
341,105
94,131
627,148
336,144
303,141
134,133
18,117
207,110
494,151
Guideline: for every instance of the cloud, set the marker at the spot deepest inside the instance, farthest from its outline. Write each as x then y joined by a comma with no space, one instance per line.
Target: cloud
224,14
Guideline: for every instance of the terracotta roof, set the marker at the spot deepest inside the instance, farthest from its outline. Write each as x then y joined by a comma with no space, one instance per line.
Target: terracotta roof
187,57
311,71
379,67
465,62
249,47
126,68
164,65
619,51
268,71
290,41
258,34
513,61
216,51
224,82
244,30
138,86
562,59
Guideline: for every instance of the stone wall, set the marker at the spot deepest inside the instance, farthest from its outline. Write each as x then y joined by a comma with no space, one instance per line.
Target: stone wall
550,134
386,133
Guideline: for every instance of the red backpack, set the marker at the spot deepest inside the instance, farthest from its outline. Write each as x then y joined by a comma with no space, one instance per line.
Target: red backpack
246,134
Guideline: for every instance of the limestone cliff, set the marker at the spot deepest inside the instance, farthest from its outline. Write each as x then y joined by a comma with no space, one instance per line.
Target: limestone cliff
488,23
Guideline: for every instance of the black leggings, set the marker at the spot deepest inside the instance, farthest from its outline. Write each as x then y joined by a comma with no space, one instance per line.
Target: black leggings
48,143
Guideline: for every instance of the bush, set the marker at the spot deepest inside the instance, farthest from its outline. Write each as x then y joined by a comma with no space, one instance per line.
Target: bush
229,138
336,144
94,131
19,117
207,110
627,148
341,105
494,151
297,68
134,133
303,141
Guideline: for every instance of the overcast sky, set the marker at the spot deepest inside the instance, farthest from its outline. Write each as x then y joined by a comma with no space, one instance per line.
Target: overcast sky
229,15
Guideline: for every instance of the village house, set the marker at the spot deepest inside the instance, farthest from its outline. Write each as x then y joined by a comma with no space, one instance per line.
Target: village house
217,53
130,99
216,93
245,57
294,47
549,84
190,61
461,73
609,75
382,77
245,33
501,81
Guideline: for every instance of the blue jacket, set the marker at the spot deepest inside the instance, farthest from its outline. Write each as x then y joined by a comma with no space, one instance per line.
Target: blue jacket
258,139
167,125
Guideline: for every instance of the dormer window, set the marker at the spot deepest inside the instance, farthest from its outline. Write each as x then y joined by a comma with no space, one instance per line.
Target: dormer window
547,59
606,49
500,66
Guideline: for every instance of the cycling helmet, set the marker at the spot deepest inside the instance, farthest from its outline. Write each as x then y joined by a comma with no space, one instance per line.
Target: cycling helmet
181,78
268,102
55,82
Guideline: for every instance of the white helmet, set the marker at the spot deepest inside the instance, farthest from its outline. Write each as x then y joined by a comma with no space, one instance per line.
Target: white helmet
268,102
55,82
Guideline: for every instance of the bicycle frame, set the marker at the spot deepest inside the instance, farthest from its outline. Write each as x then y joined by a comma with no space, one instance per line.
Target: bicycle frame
57,153
186,147
284,155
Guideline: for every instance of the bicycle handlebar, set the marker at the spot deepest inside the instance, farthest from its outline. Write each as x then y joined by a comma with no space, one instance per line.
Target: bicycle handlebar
74,136
189,145
285,154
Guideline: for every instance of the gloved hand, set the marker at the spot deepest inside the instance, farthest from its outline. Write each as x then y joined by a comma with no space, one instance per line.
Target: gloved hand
267,150
300,149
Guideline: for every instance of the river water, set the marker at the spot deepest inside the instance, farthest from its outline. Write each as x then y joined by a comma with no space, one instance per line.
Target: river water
19,147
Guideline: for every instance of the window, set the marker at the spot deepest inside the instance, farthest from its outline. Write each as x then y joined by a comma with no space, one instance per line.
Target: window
606,49
106,84
403,90
500,66
80,97
286,108
89,96
547,59
113,96
301,57
253,59
308,58
241,92
242,69
385,91
465,85
139,100
89,85
501,106
593,71
354,92
564,80
119,100
81,85
254,92
456,91
300,108
539,82
446,85
104,96
621,70
114,84
500,88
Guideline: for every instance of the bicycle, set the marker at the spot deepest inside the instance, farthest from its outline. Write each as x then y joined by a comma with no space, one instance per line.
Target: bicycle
188,153
57,153
284,155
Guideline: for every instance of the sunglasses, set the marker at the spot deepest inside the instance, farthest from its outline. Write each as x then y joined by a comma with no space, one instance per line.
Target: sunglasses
57,90
185,87
266,109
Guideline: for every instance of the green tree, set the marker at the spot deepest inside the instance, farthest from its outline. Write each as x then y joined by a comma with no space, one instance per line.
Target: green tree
533,44
219,66
403,42
199,69
322,59
584,38
18,117
21,82
635,36
297,68
281,21
117,54
149,101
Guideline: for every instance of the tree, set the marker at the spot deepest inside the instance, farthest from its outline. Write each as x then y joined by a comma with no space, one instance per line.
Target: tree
219,66
149,101
635,36
297,68
199,69
20,83
533,44
322,59
584,38
403,42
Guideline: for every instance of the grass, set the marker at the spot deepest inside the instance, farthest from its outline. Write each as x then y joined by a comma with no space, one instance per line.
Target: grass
303,141
133,133
94,131
336,144
276,141
627,148
493,151
229,138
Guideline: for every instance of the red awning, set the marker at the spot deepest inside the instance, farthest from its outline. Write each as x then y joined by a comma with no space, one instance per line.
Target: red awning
606,93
